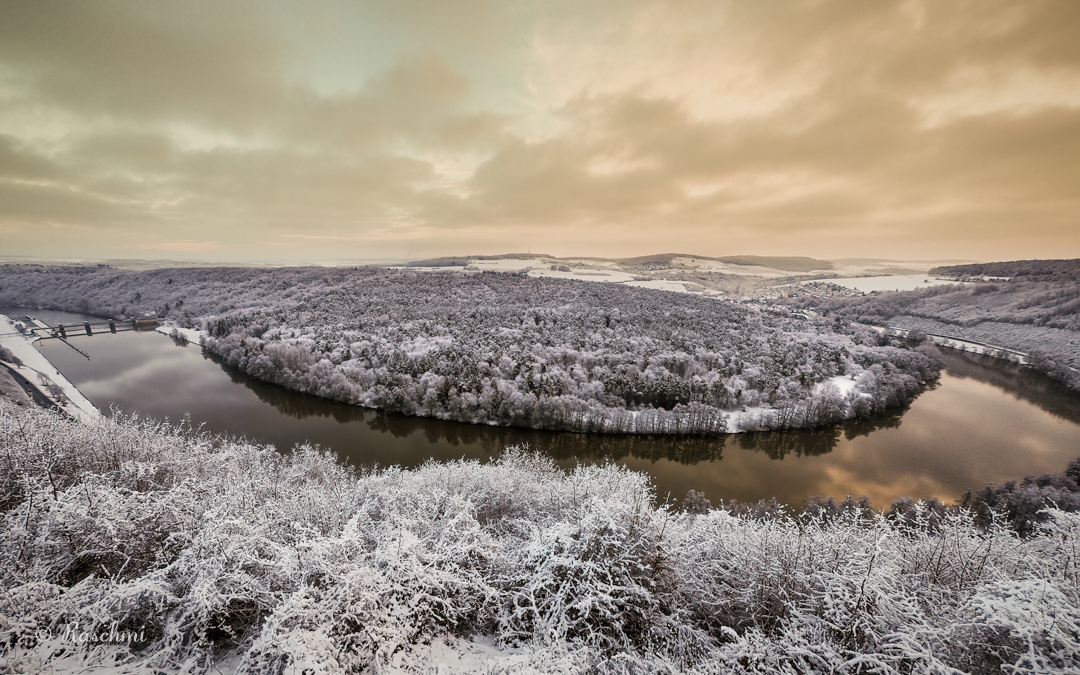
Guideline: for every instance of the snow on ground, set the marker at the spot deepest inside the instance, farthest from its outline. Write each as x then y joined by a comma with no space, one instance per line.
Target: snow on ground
614,276
703,265
588,262
951,342
512,264
842,382
35,367
192,335
738,419
899,282
583,275
976,347
664,285
757,271
447,268
890,274
459,655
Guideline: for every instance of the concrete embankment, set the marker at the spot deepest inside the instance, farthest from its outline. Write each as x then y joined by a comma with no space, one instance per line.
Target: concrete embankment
39,374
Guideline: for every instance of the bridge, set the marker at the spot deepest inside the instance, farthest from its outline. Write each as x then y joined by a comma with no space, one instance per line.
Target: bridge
43,331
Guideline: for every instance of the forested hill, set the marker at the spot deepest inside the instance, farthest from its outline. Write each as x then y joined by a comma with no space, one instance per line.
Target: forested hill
1020,270
508,349
798,264
1032,306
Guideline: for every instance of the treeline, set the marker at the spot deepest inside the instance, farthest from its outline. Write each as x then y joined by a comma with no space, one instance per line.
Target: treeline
1021,270
511,350
1024,505
202,554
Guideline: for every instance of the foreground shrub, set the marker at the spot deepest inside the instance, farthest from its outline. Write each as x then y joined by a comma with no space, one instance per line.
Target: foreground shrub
219,555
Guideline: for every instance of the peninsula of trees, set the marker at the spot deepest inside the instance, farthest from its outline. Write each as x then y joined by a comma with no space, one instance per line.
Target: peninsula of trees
509,349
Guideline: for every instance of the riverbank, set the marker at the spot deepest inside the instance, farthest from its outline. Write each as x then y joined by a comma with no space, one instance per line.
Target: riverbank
1040,362
39,373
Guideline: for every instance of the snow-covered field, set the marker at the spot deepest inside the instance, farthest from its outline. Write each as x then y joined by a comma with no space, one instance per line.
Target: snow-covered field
886,275
892,275
511,264
904,282
665,285
1034,315
953,342
613,276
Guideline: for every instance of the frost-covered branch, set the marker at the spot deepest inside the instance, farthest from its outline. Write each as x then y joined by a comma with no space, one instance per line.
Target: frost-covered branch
218,555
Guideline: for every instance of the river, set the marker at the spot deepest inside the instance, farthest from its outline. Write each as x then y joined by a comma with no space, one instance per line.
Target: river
984,421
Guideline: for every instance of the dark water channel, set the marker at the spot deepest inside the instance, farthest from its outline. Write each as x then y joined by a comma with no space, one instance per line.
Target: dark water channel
983,422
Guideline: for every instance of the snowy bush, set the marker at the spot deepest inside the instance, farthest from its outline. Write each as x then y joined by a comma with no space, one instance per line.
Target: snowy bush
7,355
174,551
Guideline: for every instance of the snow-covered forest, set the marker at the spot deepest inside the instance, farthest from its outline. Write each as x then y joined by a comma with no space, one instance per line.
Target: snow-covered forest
134,546
1021,270
1030,306
508,349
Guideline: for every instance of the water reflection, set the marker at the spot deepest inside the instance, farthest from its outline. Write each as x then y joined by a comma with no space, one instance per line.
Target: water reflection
564,445
295,405
1024,383
984,422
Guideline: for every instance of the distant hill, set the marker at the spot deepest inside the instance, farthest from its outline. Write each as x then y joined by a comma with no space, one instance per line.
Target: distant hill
463,261
504,256
439,262
786,263
878,261
1024,270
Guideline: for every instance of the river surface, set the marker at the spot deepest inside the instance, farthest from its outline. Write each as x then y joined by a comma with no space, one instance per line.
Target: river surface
983,422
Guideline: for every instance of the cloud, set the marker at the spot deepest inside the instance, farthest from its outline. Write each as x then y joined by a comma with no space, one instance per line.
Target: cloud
140,62
182,246
813,127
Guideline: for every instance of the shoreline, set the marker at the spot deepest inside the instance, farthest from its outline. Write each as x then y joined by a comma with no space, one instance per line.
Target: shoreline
961,344
749,420
971,346
736,421
36,368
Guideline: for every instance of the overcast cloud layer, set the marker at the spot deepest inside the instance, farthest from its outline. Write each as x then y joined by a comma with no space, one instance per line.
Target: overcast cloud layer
404,129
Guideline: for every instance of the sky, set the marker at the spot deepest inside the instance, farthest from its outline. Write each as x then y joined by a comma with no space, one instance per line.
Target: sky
333,131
